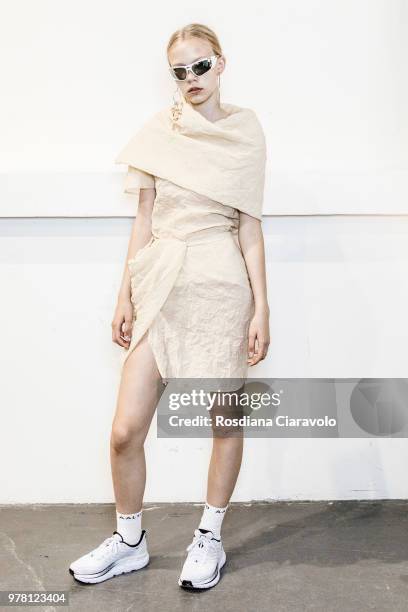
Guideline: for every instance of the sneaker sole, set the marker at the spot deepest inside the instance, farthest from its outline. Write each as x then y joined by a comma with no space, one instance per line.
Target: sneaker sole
188,584
123,566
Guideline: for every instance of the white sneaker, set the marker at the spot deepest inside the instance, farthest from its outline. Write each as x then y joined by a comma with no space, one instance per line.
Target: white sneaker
206,556
111,558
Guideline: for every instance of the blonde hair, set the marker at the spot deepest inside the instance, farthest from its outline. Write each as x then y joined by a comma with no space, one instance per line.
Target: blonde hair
199,31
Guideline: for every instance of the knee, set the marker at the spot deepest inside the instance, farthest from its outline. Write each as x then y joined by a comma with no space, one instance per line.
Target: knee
227,434
124,437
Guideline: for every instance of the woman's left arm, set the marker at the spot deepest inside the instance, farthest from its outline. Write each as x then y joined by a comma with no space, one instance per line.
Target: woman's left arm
253,249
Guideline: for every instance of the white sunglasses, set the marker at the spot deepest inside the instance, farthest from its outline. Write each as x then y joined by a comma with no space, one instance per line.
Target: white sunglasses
199,67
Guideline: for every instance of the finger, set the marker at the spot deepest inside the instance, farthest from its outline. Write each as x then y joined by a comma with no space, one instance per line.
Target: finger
253,350
263,347
266,348
260,352
264,351
127,330
257,359
251,345
116,335
117,339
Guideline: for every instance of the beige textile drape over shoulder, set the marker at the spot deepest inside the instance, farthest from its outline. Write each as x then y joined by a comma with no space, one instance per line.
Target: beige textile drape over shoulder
136,180
223,160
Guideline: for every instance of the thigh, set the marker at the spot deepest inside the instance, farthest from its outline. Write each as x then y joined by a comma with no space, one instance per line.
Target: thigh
140,389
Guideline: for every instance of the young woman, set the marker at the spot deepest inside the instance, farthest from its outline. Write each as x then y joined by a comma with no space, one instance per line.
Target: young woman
193,300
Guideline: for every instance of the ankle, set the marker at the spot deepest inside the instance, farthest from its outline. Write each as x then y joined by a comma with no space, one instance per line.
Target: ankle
212,519
129,526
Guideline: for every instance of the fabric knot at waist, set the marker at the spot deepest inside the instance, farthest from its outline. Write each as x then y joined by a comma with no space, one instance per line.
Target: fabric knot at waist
155,268
194,238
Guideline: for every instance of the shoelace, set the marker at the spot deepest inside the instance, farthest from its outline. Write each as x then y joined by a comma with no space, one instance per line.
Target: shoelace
201,546
108,547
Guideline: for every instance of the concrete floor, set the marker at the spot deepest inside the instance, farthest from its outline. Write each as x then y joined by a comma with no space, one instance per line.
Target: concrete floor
284,556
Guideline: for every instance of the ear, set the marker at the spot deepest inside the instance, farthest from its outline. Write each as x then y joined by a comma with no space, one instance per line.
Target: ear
221,64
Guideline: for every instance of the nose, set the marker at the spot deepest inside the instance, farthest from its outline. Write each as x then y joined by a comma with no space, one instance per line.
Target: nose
191,81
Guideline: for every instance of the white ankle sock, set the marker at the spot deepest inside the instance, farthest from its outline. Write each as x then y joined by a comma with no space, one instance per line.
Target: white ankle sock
129,526
212,519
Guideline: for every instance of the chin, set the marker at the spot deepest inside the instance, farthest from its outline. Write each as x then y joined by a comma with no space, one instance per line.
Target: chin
198,97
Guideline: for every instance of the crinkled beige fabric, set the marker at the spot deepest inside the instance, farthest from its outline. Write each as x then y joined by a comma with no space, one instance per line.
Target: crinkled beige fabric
223,160
136,180
190,287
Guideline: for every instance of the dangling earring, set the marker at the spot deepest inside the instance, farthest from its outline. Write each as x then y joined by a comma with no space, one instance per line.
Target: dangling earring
219,90
177,107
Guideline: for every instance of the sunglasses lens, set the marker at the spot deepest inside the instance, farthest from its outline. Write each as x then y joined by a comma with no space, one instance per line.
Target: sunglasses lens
202,67
180,73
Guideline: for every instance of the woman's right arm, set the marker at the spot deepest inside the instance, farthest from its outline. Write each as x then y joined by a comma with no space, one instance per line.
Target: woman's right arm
140,236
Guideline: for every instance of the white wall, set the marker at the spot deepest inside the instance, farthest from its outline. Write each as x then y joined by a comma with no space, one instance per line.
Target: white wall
327,79
329,83
338,296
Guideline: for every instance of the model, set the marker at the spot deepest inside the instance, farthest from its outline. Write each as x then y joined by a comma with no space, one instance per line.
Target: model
193,299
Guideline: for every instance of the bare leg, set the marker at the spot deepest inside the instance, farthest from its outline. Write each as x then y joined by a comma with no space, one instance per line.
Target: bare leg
223,471
226,458
139,392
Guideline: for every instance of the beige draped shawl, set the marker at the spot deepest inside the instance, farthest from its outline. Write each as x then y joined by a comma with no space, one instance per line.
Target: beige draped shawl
223,160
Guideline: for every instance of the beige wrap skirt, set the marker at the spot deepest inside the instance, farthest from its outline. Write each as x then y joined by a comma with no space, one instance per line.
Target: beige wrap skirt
189,285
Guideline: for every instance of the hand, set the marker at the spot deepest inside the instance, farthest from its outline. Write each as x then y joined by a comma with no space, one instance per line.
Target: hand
258,337
122,323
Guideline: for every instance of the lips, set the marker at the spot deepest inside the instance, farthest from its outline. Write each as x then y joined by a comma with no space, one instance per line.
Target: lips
194,89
